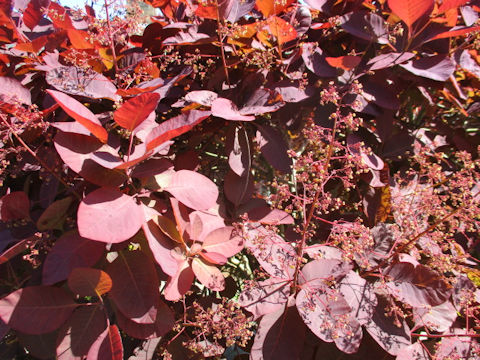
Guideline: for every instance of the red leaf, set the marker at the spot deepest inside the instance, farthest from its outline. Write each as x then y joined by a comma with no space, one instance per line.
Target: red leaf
36,309
411,10
272,7
175,127
81,114
109,216
34,12
456,32
136,110
79,333
281,29
89,282
193,189
15,250
108,346
451,4
226,109
14,206
208,275
69,252
347,62
135,285
79,39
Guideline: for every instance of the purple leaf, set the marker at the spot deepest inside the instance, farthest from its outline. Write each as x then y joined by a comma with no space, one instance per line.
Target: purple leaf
238,189
437,318
321,271
413,352
273,147
390,59
366,25
161,247
437,67
315,61
69,252
266,215
383,329
238,150
359,295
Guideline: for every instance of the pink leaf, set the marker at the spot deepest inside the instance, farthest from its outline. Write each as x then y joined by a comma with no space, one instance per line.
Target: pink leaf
161,247
268,216
180,283
109,216
226,109
36,309
193,189
77,151
134,111
12,90
209,275
265,297
223,241
81,114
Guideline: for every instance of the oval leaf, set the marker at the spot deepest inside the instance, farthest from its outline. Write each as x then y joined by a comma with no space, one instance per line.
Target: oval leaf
209,275
89,282
109,216
227,110
69,252
108,346
193,189
136,110
36,309
135,285
81,114
410,10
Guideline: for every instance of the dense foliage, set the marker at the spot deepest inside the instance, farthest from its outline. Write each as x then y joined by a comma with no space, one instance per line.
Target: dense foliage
240,179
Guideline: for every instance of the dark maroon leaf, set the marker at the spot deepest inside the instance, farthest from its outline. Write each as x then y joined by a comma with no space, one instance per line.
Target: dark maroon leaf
36,309
280,336
418,286
265,297
359,295
315,61
89,282
14,206
80,331
108,345
437,67
135,285
366,25
238,189
69,252
266,215
161,321
273,147
41,346
413,352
